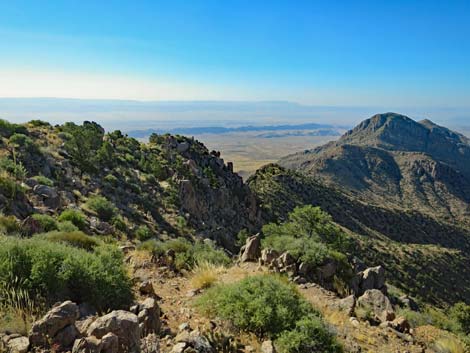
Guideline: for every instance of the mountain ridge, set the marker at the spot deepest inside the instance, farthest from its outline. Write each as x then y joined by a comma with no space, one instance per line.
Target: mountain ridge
394,159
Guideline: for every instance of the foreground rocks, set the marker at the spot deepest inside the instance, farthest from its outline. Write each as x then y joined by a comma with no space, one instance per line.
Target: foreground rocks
57,327
119,331
123,324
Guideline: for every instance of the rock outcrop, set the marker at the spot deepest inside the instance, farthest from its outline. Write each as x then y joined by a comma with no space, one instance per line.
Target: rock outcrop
123,324
376,305
251,251
57,327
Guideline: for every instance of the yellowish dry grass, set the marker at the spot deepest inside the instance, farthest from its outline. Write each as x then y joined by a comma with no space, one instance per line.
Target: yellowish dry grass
449,345
205,275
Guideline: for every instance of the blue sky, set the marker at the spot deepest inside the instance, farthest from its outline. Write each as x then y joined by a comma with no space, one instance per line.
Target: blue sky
375,53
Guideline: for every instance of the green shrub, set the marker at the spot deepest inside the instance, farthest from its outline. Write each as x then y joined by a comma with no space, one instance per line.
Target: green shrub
16,170
9,225
75,216
66,226
75,238
309,335
143,233
9,187
310,222
7,129
119,223
305,250
59,272
46,222
41,179
39,123
203,252
264,304
187,255
269,306
460,313
102,206
82,144
111,179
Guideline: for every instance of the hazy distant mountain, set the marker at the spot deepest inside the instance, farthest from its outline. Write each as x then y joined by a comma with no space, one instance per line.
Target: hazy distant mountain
129,115
317,129
392,159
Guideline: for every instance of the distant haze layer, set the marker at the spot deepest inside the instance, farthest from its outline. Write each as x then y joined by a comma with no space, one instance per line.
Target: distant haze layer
137,115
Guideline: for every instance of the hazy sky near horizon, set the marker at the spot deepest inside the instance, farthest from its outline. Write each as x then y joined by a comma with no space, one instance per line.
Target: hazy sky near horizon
393,53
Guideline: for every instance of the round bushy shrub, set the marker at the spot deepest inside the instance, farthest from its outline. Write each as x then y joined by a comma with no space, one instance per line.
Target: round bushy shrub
309,335
102,206
66,226
264,304
269,306
9,225
143,233
46,222
75,216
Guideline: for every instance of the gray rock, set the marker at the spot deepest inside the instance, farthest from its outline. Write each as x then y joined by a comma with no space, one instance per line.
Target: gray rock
408,302
252,249
268,256
348,304
370,278
59,317
149,316
66,337
183,147
110,343
87,345
379,304
123,324
285,260
146,288
18,344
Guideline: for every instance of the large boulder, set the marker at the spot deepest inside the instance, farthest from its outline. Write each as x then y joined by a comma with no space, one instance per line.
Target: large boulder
44,331
377,304
124,324
49,195
252,249
268,256
370,278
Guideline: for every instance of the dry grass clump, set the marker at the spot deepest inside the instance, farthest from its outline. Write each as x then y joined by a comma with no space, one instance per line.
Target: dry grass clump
17,309
449,345
205,275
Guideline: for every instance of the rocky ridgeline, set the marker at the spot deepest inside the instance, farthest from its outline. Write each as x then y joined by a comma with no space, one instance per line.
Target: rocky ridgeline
219,204
368,301
147,183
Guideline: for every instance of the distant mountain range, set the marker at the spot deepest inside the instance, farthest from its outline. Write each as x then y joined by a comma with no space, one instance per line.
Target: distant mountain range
301,130
392,159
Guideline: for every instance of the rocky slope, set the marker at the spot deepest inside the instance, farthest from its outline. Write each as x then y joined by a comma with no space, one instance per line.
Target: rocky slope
394,160
170,186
